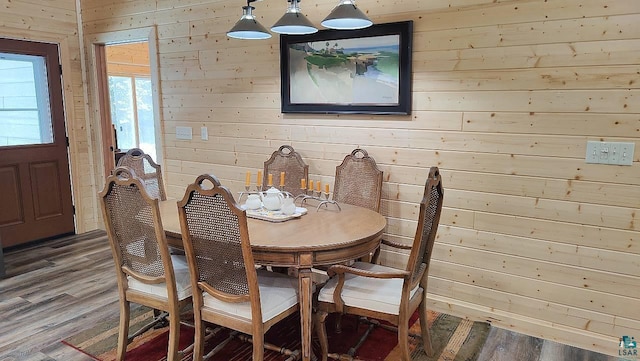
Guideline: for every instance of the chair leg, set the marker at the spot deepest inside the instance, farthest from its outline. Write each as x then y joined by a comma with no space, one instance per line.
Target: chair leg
174,335
198,349
403,336
338,325
424,327
258,347
321,331
123,332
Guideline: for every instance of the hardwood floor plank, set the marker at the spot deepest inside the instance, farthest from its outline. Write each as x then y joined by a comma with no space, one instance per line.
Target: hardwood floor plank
505,345
553,351
60,351
18,355
8,304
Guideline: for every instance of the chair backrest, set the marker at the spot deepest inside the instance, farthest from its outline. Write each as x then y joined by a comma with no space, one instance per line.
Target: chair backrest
147,170
216,240
428,220
286,160
132,221
358,181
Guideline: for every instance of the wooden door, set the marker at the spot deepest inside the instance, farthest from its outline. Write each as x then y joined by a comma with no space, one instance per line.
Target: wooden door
35,188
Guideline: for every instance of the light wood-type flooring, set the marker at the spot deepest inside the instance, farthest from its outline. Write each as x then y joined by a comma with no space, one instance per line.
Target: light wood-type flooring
57,288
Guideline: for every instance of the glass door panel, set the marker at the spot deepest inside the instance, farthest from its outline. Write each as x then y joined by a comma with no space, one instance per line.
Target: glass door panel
25,114
122,114
132,113
146,124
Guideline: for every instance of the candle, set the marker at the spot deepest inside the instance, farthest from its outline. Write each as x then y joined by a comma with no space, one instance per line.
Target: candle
270,180
281,179
310,184
259,179
318,184
326,188
247,181
303,183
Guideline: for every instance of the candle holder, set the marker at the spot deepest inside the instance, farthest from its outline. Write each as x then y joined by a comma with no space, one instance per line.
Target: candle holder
317,196
247,191
303,195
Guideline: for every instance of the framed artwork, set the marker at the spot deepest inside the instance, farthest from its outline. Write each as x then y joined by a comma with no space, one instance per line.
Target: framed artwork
364,71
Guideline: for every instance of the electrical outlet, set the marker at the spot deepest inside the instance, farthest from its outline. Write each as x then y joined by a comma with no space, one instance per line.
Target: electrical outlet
204,133
185,133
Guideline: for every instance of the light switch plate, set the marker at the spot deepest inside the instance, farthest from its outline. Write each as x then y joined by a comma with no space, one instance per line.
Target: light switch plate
185,133
593,152
615,153
626,153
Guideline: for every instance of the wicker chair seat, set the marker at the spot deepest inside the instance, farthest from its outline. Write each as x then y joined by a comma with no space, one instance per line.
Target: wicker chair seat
183,281
375,294
278,292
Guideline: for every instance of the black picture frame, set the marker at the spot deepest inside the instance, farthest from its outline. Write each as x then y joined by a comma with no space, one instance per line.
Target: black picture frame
313,75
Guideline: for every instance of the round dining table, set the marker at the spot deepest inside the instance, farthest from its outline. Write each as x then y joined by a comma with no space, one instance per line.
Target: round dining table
326,236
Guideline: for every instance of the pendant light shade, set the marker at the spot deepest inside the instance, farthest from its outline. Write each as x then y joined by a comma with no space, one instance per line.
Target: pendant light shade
293,22
248,27
346,16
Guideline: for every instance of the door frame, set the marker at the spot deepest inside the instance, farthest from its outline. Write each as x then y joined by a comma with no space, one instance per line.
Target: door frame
99,92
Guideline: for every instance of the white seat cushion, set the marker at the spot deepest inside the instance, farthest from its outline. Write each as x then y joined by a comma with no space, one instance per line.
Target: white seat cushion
278,292
183,281
381,295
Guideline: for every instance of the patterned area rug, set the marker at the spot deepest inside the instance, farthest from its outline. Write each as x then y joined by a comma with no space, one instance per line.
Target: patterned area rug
453,339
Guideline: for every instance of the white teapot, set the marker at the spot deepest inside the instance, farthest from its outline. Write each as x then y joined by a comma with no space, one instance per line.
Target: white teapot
272,199
253,202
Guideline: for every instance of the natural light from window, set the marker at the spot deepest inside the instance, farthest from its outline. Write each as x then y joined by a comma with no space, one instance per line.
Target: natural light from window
132,112
25,115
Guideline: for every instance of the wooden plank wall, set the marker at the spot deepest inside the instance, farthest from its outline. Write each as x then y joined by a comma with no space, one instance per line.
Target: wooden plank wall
56,21
128,59
505,96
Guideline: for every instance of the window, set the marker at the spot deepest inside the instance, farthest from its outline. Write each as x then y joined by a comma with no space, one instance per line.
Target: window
132,112
25,116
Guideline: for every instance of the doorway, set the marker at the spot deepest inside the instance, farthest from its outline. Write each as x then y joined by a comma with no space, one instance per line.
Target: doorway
34,165
126,93
130,96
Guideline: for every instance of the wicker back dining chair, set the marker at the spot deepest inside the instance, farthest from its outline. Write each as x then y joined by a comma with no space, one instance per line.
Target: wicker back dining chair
228,289
358,181
146,273
387,293
147,170
286,160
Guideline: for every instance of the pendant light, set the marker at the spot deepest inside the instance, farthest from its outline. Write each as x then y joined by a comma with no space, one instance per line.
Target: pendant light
293,22
346,16
248,27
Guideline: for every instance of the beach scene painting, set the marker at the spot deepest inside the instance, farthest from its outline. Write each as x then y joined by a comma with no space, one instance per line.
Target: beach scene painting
354,71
